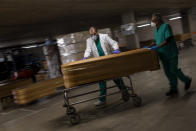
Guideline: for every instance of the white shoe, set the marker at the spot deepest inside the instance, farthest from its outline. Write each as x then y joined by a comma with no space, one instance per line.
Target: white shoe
99,103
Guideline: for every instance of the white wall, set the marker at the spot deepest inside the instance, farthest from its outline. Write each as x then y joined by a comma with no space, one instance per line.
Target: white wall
176,26
145,33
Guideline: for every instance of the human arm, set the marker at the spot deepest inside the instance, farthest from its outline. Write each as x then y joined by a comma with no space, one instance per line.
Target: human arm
113,44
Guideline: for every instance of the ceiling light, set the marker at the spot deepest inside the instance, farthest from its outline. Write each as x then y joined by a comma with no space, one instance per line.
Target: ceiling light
31,46
139,26
175,18
65,54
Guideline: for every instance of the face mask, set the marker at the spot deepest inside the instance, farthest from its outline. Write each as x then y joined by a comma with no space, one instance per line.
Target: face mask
94,37
153,24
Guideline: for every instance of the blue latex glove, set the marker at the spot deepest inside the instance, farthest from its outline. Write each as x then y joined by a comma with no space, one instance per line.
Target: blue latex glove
84,58
154,48
116,52
145,47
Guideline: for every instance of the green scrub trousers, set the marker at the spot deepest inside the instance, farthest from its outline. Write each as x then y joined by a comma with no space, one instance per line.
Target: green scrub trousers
168,55
102,85
172,72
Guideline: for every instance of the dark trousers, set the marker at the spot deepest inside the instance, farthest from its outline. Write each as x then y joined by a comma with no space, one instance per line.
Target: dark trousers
172,72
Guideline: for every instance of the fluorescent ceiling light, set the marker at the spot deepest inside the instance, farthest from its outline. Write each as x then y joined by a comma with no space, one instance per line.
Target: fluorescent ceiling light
175,18
65,54
32,46
143,25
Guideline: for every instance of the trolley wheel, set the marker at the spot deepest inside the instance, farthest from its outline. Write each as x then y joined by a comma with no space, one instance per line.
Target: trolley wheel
137,101
71,110
125,95
74,118
64,105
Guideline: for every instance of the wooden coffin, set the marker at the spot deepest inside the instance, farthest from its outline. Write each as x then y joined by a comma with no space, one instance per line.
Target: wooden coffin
108,67
6,90
183,37
36,91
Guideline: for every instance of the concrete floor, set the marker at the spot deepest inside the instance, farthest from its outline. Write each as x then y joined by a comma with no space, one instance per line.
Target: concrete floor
158,112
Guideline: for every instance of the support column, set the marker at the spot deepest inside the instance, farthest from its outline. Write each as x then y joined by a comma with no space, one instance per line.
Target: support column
132,40
186,28
185,23
1,105
51,53
192,23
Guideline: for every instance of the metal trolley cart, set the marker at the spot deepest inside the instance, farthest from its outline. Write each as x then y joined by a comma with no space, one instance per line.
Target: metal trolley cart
72,114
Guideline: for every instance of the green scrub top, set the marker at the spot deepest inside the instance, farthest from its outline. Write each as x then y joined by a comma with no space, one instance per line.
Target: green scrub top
170,50
99,48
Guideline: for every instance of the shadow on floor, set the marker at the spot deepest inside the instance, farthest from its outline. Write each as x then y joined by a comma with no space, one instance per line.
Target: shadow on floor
93,113
177,98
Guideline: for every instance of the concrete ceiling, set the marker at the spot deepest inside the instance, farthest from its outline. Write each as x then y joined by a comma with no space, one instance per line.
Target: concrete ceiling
36,19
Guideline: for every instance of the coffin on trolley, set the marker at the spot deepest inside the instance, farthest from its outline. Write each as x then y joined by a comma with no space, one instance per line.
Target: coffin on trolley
109,67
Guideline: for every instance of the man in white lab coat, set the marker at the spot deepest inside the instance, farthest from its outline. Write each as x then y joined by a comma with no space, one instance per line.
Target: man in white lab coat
101,45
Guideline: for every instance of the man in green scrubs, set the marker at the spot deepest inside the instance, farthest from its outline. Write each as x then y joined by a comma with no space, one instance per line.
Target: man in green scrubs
166,47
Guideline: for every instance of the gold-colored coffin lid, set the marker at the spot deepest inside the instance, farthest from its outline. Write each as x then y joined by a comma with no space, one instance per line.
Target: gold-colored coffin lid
108,67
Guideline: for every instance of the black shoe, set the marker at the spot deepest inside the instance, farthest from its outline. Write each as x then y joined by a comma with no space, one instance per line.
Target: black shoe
188,84
171,93
125,95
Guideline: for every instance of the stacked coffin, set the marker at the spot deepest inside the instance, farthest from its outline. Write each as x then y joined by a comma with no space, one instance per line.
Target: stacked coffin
36,91
109,67
6,90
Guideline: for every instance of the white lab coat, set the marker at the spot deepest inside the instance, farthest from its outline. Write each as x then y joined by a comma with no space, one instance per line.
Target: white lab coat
108,45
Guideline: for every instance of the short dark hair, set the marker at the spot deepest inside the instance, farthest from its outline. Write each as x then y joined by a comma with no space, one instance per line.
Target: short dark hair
94,27
158,17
